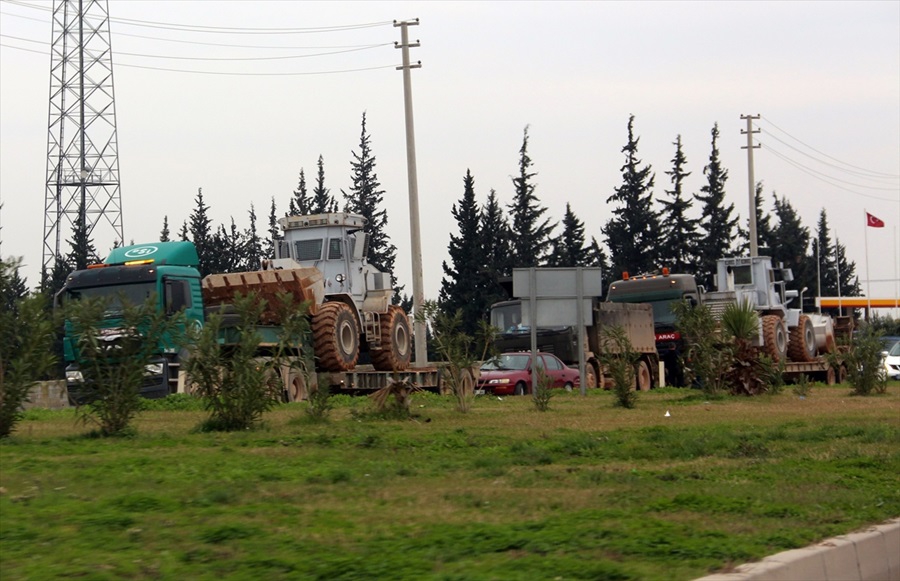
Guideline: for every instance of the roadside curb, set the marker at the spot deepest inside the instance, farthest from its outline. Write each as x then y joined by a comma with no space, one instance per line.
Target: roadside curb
869,555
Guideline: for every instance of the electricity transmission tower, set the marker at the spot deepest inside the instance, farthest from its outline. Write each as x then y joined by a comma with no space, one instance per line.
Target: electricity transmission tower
82,149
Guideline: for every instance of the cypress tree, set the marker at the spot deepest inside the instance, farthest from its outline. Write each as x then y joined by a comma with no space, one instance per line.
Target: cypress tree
274,231
464,281
530,235
322,201
299,204
632,235
365,198
793,242
765,238
823,253
201,234
680,239
719,229
254,250
569,248
83,251
164,233
496,244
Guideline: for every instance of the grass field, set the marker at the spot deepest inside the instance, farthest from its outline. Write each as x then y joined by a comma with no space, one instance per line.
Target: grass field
583,491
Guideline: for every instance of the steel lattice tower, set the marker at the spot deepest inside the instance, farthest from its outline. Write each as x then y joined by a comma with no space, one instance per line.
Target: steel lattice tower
82,149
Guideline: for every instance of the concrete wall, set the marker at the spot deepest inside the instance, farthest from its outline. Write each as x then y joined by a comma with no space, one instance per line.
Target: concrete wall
48,395
869,555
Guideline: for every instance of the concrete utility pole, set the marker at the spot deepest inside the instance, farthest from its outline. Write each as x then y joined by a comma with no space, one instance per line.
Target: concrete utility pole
754,249
415,236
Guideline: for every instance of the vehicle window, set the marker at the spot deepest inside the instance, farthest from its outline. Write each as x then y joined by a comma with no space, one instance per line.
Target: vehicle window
517,361
551,363
132,294
895,350
334,249
308,250
742,275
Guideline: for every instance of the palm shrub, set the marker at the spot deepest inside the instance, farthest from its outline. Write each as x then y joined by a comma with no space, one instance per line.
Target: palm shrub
748,374
26,339
394,399
462,353
707,358
319,402
620,359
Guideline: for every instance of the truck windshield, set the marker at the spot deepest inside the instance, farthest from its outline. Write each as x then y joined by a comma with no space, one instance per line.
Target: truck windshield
133,294
662,303
507,317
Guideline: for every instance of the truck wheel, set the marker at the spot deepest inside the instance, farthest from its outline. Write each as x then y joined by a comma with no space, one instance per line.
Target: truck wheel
774,338
644,379
802,343
521,389
335,337
396,345
842,374
830,376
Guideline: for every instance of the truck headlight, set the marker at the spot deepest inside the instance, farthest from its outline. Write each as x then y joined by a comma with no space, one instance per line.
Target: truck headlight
74,377
153,369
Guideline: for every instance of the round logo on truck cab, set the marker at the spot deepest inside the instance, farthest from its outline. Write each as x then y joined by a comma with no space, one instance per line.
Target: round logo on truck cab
141,252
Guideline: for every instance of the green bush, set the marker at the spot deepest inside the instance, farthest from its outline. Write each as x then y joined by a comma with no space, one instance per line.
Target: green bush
863,362
620,359
707,357
26,339
542,391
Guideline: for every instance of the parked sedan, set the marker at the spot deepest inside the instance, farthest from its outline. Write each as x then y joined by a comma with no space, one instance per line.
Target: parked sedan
510,374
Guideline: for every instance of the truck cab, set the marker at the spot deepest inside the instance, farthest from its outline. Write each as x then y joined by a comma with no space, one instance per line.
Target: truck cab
164,271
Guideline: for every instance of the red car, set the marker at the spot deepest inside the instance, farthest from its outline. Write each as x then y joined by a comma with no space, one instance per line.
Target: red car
510,374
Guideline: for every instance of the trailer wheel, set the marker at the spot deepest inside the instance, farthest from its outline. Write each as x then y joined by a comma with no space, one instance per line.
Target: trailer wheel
802,343
830,376
396,344
775,339
335,337
842,374
644,378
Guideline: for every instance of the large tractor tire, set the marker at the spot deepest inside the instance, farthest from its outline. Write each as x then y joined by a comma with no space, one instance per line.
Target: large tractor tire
802,343
590,376
775,338
335,337
396,342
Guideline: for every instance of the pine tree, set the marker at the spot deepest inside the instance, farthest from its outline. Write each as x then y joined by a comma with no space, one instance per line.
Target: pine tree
793,241
83,251
183,234
632,235
496,244
598,258
531,237
719,229
680,240
274,231
254,251
849,283
201,234
365,198
569,248
823,254
464,282
52,282
299,204
765,237
230,242
14,288
322,202
164,233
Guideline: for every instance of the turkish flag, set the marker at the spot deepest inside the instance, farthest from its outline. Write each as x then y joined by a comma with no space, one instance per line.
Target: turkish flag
873,221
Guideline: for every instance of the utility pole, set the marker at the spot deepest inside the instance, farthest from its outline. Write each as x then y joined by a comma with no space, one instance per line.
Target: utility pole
415,236
754,248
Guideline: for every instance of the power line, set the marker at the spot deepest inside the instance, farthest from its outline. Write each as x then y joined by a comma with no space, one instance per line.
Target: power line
261,58
820,177
225,73
870,172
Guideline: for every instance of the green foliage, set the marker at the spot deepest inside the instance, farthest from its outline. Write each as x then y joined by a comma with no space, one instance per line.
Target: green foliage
772,374
239,383
531,232
707,358
679,240
740,321
803,387
748,374
863,362
26,339
113,360
570,248
886,325
620,359
462,353
542,391
319,400
716,222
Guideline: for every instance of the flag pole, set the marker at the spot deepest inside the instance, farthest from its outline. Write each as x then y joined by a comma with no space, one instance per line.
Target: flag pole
868,280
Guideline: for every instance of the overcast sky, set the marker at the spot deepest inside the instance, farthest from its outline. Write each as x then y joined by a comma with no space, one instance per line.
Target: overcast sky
825,76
